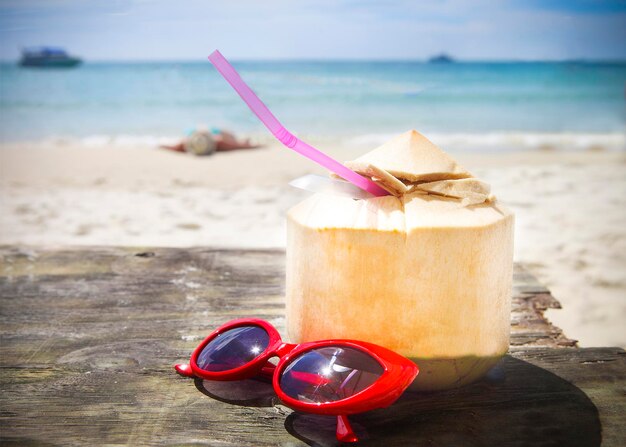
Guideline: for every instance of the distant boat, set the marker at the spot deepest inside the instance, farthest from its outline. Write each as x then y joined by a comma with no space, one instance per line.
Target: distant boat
48,57
441,59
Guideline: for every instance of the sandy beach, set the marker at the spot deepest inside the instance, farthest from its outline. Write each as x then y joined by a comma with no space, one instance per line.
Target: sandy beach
570,209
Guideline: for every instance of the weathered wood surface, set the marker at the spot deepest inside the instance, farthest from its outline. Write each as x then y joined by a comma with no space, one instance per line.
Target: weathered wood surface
529,328
88,337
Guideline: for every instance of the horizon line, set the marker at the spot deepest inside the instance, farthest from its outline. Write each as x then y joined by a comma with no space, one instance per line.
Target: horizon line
350,59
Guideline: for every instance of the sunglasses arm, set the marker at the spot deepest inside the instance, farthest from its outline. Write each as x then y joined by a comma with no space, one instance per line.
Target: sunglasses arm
344,430
184,369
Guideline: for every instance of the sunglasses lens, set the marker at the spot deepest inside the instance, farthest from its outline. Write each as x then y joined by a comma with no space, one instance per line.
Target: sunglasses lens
329,374
233,348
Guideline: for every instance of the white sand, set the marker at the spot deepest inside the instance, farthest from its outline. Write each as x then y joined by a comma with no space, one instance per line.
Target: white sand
570,210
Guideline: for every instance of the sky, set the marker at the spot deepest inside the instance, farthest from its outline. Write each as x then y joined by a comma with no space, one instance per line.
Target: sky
320,29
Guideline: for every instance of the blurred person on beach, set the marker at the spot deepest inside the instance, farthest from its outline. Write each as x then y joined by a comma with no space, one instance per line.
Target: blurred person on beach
203,141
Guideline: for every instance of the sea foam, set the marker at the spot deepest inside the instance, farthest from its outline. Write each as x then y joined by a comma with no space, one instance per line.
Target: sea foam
490,141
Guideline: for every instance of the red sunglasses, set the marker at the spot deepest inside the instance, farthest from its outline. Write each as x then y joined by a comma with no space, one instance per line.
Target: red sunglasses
335,377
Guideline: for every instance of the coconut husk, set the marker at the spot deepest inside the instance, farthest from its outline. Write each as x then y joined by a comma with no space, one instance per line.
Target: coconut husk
471,191
381,177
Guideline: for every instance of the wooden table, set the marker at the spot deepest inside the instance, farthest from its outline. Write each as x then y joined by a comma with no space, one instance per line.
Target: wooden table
89,337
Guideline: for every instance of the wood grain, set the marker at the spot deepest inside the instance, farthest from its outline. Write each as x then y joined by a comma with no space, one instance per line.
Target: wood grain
88,337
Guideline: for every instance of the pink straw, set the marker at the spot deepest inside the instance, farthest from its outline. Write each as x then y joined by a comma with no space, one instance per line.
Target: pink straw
282,134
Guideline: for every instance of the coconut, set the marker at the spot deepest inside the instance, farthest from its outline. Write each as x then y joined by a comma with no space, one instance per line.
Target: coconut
426,271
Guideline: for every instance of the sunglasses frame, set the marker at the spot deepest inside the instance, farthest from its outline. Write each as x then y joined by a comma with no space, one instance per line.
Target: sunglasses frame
398,371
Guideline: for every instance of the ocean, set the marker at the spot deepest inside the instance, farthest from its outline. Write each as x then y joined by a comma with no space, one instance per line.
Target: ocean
570,104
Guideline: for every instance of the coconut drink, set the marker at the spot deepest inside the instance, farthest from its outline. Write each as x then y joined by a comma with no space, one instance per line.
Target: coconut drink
422,266
425,271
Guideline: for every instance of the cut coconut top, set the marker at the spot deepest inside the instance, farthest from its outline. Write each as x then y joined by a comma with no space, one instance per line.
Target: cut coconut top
410,163
411,157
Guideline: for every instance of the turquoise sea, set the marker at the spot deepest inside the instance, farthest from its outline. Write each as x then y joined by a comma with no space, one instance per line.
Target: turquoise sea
315,98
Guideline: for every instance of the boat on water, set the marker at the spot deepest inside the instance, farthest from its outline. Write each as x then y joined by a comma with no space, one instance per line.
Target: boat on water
441,59
48,57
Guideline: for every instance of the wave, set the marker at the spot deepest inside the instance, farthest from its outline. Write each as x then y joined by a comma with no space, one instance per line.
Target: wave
101,140
490,141
454,142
